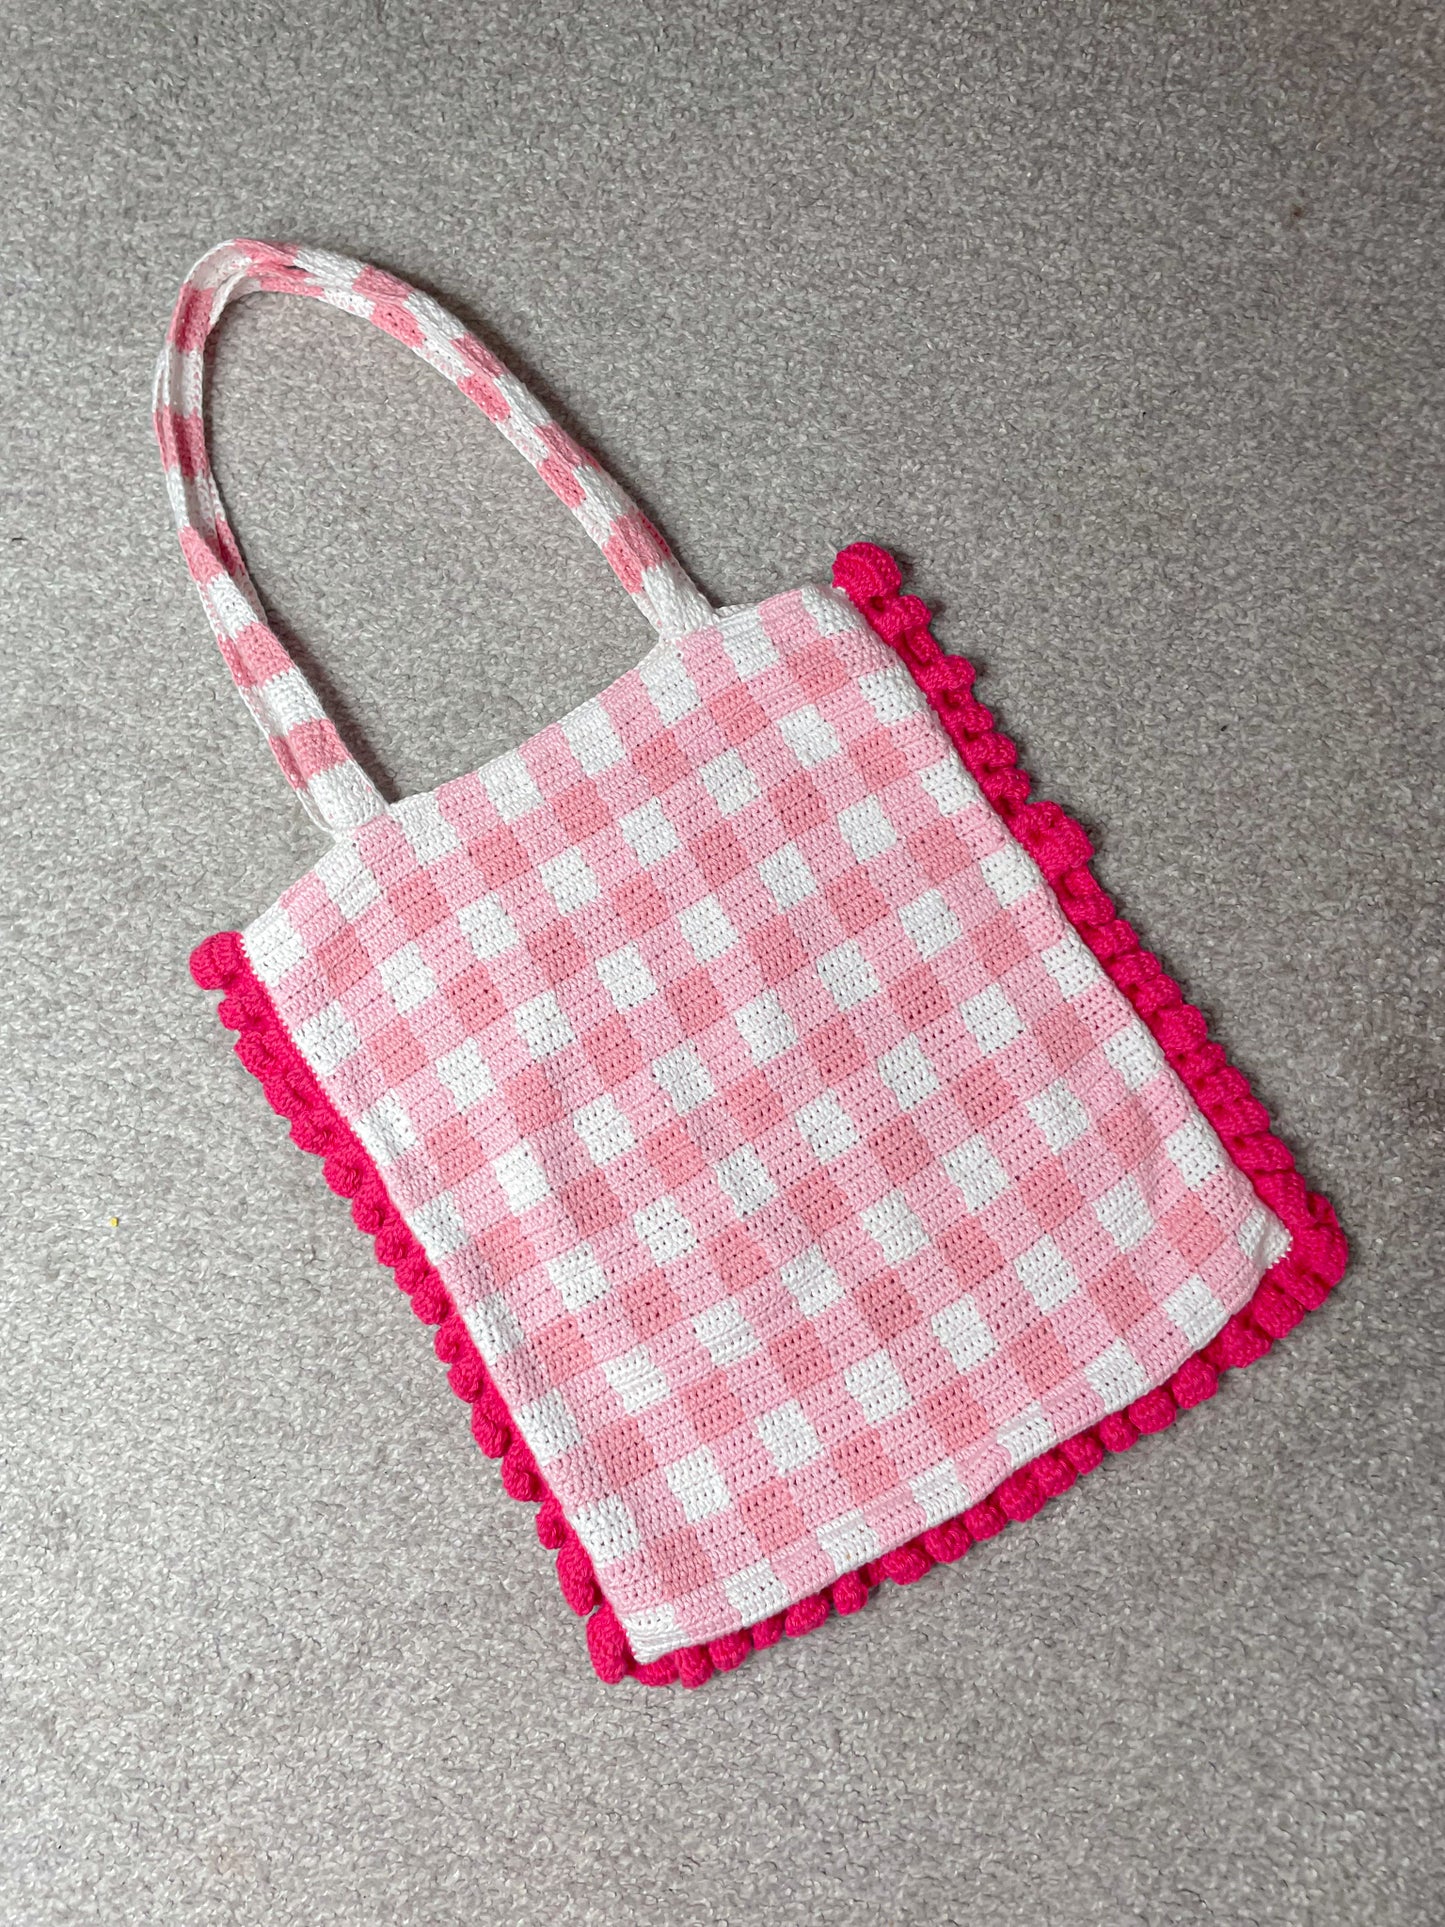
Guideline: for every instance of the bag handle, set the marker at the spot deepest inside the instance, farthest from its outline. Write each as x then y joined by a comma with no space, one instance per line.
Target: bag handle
335,790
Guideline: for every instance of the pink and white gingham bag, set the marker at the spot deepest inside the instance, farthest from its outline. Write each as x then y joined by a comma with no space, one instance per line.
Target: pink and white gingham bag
805,1170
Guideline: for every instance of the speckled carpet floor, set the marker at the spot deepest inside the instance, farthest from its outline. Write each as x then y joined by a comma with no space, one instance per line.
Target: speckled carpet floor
1116,322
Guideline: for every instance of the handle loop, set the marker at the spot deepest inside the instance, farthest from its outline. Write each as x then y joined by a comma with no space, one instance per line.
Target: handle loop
334,789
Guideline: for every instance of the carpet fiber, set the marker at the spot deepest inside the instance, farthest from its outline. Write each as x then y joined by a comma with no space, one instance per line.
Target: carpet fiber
1116,323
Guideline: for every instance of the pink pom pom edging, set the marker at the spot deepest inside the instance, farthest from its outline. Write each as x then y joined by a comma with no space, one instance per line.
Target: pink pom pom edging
1298,1283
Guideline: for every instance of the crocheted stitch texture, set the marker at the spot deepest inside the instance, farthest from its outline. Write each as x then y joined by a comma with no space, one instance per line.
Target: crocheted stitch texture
1297,1282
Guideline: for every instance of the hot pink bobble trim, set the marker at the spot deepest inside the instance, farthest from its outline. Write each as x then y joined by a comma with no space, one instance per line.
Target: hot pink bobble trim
1300,1282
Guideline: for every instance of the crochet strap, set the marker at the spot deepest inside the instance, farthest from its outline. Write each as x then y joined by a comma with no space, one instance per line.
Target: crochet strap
334,788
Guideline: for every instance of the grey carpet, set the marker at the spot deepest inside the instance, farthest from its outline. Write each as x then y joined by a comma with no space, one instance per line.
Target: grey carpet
1118,323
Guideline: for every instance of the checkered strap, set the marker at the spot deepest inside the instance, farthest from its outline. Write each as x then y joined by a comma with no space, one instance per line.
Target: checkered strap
335,790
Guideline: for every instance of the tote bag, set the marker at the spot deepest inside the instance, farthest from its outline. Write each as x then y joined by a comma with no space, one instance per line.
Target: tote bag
805,1170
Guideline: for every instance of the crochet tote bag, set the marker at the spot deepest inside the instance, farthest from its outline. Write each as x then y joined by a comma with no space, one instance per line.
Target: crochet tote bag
805,1171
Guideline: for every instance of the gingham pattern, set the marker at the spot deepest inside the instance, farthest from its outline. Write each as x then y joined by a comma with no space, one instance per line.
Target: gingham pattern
334,789
796,1169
